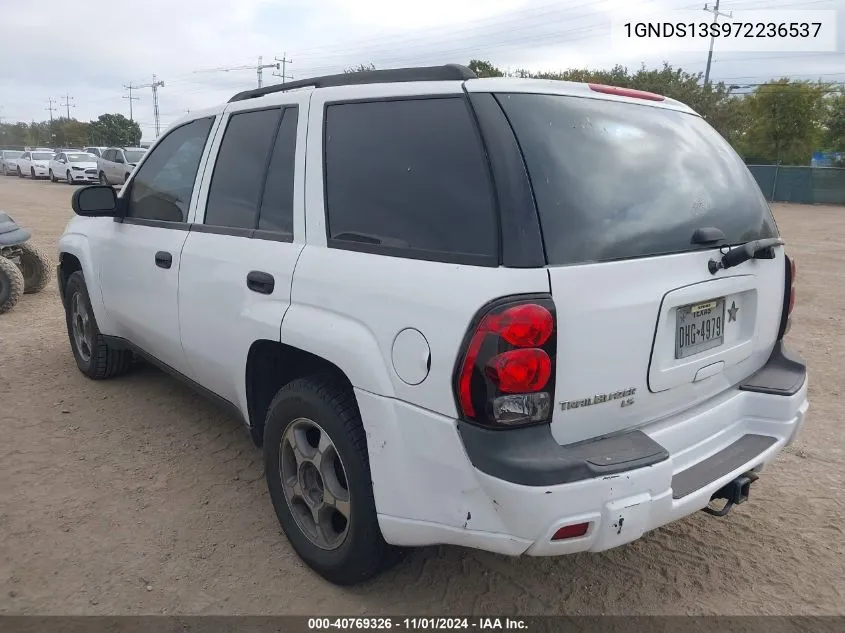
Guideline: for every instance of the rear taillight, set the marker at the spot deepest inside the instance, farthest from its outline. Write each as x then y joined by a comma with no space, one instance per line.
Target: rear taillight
788,296
505,374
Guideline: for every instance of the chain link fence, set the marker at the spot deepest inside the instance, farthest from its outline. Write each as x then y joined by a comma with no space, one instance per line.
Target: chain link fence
802,185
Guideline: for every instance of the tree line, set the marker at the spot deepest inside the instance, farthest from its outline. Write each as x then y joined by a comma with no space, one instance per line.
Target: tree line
108,129
781,120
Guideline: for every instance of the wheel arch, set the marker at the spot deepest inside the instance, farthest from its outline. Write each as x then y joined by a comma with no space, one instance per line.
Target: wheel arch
75,254
270,366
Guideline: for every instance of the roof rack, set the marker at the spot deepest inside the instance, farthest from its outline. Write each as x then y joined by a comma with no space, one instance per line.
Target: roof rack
449,72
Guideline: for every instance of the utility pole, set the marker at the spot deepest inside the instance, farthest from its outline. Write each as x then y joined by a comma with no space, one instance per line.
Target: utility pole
130,88
50,107
716,13
284,61
155,85
260,68
67,104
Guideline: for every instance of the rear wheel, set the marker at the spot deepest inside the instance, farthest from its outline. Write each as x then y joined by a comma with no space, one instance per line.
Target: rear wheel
35,268
318,474
94,357
11,284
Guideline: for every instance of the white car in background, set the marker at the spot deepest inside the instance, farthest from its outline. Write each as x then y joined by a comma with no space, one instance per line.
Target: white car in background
73,166
9,161
35,164
95,150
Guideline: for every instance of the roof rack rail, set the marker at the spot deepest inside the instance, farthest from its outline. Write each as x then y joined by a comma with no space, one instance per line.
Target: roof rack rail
449,72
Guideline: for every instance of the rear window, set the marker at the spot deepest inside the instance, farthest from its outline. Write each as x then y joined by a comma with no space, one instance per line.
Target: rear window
615,180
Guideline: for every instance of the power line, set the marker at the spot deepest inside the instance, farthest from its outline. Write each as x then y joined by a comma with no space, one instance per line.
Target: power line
67,104
258,68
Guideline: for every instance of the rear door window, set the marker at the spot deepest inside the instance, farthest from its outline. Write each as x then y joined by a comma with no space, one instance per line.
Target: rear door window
239,171
617,180
409,178
277,203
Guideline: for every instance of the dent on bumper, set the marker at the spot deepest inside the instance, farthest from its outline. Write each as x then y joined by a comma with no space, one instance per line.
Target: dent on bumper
745,429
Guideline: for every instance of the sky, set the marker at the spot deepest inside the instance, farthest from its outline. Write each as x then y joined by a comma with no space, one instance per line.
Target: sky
90,51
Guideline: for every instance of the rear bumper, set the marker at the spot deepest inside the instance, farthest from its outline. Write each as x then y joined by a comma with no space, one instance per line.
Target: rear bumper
440,483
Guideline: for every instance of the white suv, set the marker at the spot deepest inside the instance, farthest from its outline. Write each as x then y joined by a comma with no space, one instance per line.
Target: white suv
531,317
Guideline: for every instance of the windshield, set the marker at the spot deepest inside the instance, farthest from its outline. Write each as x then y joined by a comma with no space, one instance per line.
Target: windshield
9,154
42,155
81,158
133,155
616,180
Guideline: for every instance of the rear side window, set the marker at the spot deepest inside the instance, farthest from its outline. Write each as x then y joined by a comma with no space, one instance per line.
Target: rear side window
409,178
277,202
616,180
239,170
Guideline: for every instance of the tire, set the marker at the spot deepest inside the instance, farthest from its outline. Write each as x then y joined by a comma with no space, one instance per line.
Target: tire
20,173
329,405
32,172
96,358
11,284
69,178
53,177
36,268
103,179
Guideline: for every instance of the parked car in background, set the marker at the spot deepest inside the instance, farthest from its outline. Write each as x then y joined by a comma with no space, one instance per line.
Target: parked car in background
73,166
116,163
35,164
97,151
9,161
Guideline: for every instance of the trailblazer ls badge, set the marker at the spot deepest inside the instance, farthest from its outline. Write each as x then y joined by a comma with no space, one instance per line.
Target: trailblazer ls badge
626,398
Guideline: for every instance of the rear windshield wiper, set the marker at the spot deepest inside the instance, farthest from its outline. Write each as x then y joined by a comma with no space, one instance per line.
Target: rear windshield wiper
742,253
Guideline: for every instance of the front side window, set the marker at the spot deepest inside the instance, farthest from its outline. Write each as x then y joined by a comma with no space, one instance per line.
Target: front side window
163,185
235,190
409,178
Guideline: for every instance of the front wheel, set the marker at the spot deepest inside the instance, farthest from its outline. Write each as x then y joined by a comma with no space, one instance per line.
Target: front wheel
32,172
35,268
103,179
53,177
69,178
318,474
11,284
94,357
20,173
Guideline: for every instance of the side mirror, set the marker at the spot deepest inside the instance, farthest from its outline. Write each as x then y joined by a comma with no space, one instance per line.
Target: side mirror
95,201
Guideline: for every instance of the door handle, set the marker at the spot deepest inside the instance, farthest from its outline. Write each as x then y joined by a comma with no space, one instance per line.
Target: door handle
164,259
258,281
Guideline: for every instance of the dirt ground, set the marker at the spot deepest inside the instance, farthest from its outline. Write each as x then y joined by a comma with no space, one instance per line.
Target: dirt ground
136,496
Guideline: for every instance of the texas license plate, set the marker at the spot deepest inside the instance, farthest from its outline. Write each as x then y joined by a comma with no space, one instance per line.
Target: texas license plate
699,327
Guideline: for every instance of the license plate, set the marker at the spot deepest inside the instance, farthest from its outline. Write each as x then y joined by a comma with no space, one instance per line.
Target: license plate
699,327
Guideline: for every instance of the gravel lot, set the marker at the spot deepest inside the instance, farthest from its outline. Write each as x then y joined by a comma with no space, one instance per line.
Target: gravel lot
136,496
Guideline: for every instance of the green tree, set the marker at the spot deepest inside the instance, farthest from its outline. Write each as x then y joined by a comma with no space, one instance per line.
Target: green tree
114,129
834,122
786,121
483,68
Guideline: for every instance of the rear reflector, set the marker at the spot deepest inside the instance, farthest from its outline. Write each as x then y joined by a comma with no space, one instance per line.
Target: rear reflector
626,92
571,531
